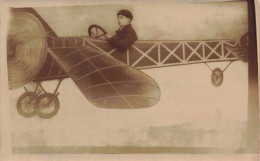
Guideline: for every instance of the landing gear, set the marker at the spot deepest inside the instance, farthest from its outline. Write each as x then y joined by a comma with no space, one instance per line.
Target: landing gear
39,102
217,75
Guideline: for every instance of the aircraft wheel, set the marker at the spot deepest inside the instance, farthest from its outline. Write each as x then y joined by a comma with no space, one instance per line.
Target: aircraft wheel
26,104
217,77
47,105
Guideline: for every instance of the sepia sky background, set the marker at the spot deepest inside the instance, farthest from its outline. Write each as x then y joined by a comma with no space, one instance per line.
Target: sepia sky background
191,112
155,21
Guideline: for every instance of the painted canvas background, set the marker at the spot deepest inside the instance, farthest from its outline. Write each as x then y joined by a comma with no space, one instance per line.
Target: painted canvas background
191,112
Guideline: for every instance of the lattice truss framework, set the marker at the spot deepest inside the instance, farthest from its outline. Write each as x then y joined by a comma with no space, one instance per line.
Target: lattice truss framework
143,54
147,54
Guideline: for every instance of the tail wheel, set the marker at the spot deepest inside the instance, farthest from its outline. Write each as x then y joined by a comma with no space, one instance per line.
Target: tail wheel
26,104
217,77
47,105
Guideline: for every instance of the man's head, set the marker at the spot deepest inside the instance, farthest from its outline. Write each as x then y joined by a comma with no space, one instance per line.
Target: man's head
124,17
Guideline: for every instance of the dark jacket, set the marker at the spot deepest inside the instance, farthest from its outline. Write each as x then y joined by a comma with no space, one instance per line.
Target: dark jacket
123,38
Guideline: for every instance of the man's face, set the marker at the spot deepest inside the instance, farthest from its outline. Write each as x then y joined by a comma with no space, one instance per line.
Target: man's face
122,20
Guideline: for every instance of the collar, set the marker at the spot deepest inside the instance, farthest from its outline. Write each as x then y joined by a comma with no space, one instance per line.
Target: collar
123,27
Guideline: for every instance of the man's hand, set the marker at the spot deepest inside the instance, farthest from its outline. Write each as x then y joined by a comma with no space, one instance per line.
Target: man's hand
107,36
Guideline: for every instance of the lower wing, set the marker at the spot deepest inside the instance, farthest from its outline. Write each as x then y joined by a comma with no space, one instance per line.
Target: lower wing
105,81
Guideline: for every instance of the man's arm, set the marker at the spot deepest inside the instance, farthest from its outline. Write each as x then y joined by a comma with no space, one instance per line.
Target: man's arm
123,43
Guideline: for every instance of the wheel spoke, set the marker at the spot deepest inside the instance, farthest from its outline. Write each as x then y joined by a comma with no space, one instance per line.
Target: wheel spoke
26,99
92,34
97,31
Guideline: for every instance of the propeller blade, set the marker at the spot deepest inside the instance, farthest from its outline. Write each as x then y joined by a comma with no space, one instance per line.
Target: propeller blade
105,81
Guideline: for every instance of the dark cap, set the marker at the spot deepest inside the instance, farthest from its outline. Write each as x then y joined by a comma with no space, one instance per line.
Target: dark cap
125,13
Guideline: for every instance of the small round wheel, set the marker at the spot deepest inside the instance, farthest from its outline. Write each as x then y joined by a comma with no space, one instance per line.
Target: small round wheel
96,31
47,105
217,77
26,104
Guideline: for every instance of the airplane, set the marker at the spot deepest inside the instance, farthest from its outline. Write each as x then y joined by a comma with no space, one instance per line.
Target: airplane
107,77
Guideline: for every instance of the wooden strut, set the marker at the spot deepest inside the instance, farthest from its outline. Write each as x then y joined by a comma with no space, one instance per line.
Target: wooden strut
40,86
39,83
223,69
25,89
55,91
35,91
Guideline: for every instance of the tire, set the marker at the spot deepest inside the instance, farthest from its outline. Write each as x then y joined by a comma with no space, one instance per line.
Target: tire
44,103
217,77
26,104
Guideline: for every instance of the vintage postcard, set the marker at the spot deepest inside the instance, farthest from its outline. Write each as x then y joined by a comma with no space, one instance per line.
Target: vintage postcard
146,78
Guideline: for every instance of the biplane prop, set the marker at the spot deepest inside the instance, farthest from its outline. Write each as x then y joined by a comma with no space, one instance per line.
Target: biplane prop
108,78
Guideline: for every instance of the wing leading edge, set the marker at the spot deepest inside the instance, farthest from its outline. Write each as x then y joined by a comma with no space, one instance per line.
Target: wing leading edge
105,81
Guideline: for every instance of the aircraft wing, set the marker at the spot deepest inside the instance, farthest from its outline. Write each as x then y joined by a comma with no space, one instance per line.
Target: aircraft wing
105,81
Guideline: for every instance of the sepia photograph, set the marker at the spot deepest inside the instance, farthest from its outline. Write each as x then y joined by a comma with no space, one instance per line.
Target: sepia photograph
141,77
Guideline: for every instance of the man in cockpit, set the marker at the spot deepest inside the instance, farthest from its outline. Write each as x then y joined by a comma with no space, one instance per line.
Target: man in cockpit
125,35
